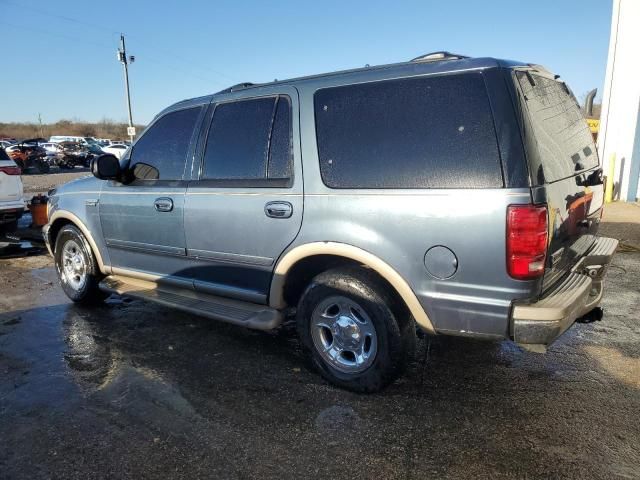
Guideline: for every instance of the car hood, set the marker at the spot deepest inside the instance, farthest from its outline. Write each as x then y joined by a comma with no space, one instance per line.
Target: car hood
88,184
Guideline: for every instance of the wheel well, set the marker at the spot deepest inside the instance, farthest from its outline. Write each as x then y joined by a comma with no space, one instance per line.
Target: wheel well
303,271
56,226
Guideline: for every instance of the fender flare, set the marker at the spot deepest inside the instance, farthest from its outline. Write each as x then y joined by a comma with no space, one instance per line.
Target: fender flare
289,259
66,215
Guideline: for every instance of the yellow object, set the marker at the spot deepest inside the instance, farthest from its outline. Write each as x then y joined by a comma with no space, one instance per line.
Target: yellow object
594,124
608,191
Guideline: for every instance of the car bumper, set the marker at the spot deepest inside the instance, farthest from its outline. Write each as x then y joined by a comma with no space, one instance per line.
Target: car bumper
11,211
535,326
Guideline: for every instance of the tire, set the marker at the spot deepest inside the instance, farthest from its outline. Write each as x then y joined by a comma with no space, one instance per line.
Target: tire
77,267
337,312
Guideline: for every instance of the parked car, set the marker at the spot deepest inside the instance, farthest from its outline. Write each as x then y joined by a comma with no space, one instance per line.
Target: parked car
72,154
11,194
458,195
51,148
117,149
68,138
29,154
95,149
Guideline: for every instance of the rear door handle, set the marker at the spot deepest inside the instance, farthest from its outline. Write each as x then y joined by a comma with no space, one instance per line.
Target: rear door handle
163,204
278,209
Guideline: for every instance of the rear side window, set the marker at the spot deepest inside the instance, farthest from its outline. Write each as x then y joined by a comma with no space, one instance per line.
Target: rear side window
161,153
250,140
3,154
564,143
429,132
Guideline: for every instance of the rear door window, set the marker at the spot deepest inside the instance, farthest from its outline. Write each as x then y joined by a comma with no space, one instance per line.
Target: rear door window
427,132
250,140
564,143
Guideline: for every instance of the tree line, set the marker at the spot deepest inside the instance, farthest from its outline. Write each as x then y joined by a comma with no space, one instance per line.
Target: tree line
103,129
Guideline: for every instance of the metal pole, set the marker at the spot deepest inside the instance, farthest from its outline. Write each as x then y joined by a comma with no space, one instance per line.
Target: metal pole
122,54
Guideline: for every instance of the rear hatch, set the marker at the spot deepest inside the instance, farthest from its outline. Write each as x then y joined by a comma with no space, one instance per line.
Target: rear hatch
564,168
10,181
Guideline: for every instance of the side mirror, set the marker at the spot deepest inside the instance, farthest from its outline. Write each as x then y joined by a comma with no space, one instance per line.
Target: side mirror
106,167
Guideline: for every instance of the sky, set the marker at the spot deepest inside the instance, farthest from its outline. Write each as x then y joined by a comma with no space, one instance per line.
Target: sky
60,57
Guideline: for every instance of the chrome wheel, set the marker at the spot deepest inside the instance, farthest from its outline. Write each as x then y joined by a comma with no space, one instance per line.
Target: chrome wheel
74,265
343,334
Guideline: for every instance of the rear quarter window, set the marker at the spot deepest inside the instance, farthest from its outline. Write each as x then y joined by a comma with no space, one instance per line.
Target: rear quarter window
427,132
563,143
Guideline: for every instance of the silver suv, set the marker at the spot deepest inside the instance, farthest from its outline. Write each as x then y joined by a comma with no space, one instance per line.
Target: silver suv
459,195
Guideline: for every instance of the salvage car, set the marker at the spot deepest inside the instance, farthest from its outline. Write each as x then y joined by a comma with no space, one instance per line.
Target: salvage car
11,194
455,195
28,155
72,154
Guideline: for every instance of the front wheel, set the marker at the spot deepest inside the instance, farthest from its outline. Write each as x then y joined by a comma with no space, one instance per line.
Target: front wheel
358,337
77,267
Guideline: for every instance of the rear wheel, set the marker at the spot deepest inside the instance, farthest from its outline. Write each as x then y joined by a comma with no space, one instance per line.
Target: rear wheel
357,335
77,267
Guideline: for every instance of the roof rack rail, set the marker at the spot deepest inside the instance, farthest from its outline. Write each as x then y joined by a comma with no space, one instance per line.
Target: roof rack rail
237,86
438,56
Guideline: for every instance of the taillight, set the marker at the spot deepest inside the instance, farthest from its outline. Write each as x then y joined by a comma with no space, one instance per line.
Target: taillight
11,170
526,240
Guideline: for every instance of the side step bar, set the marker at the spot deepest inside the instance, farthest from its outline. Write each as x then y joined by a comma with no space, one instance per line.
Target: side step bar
259,317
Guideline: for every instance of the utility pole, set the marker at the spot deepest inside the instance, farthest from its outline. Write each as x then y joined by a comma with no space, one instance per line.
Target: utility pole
122,57
40,124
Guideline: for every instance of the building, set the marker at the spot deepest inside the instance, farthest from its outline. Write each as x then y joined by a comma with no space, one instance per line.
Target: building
619,134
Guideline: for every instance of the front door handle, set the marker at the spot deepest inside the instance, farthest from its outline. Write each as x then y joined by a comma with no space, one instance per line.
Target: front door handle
163,204
278,209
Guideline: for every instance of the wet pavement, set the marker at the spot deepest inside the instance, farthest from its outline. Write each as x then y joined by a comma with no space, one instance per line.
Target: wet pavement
135,390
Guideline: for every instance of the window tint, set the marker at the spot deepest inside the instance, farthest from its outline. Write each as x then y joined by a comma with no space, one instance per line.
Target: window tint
430,132
164,146
564,142
3,154
250,140
280,151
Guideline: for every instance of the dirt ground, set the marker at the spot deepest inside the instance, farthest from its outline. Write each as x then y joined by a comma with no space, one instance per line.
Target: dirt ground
42,183
135,390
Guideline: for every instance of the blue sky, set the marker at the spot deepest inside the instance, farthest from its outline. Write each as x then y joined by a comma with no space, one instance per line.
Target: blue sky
60,58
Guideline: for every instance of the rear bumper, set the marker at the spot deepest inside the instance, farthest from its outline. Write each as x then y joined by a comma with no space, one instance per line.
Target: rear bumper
11,211
536,325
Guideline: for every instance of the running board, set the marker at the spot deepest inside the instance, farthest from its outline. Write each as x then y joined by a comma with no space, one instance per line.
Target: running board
259,317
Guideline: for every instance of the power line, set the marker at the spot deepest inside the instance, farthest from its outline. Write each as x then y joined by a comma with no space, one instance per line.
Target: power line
139,39
78,40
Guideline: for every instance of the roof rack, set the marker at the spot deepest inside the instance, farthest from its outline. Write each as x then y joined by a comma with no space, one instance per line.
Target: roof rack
438,56
237,86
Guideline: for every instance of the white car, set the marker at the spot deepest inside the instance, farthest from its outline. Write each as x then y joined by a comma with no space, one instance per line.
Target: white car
52,148
117,150
11,193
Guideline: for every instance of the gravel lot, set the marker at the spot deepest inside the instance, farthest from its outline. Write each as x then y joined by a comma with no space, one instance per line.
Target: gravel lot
41,183
135,390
